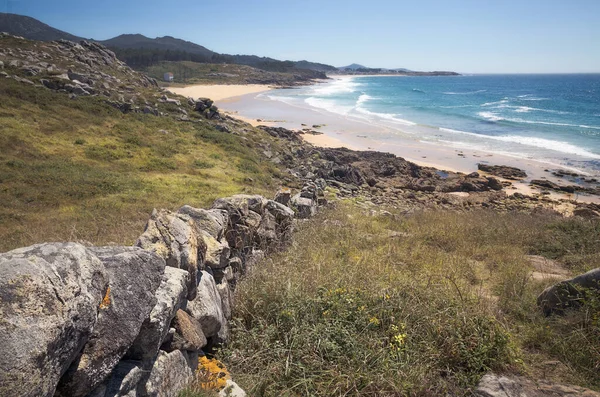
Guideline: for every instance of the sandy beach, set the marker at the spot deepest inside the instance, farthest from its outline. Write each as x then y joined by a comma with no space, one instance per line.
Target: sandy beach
250,104
218,92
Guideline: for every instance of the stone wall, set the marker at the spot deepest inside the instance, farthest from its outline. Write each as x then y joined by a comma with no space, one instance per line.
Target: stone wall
132,321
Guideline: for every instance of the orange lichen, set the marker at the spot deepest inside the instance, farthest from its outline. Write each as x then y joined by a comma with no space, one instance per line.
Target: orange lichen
106,300
211,374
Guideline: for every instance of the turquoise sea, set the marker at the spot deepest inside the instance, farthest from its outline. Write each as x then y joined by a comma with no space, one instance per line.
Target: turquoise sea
554,119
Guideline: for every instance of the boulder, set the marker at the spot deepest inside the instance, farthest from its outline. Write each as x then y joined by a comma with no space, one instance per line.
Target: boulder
217,253
503,171
226,298
134,275
124,381
232,389
241,203
492,385
283,196
173,237
49,299
266,234
170,374
188,334
305,207
207,306
170,296
569,293
213,221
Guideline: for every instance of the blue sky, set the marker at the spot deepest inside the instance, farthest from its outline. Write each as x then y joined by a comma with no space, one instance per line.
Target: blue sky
469,36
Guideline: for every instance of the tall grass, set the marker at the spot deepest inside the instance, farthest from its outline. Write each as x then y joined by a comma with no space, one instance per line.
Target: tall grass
419,306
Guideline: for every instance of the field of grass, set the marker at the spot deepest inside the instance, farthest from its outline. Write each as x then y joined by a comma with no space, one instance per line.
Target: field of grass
186,72
421,306
82,170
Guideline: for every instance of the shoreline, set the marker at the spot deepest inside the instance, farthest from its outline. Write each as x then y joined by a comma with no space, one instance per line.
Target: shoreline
247,103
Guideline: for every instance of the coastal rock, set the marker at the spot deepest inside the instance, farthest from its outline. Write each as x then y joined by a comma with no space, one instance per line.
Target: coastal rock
172,236
217,253
586,211
492,385
232,389
241,203
170,296
212,221
207,307
169,375
124,381
503,171
188,333
305,207
134,275
283,196
569,293
49,298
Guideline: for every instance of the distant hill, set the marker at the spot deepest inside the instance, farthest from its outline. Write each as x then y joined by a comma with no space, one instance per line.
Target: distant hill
32,29
138,41
354,66
141,52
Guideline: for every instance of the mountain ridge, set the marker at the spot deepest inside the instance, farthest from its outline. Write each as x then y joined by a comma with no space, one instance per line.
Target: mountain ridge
140,51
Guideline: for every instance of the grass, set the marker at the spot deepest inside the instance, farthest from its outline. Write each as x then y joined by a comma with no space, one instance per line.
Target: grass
187,72
82,170
418,306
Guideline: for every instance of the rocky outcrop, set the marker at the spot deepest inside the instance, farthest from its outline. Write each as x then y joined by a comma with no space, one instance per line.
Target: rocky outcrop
134,275
570,293
50,296
492,385
503,171
131,321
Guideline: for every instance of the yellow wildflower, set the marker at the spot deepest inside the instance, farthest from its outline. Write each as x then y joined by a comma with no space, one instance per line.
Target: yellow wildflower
374,321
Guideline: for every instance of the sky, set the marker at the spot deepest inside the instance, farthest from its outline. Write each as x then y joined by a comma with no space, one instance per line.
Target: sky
467,36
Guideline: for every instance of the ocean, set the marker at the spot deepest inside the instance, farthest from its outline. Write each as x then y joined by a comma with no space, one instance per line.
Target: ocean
553,119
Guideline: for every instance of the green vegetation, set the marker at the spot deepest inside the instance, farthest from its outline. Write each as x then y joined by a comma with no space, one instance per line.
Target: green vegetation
212,73
82,170
421,305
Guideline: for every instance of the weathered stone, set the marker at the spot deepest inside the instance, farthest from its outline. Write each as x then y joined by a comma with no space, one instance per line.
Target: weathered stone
241,203
232,389
170,296
170,374
134,275
252,220
217,253
212,221
266,233
569,293
226,298
124,381
283,196
188,333
173,237
503,171
207,306
305,207
492,385
49,298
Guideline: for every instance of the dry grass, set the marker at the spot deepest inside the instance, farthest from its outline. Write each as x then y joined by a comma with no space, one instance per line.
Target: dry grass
423,305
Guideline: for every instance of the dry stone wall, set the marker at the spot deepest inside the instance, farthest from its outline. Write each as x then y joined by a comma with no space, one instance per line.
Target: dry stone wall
132,321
